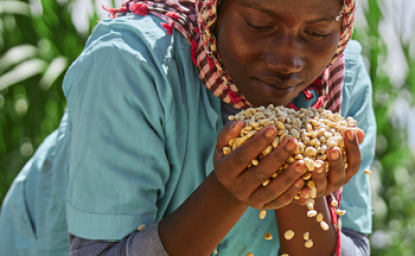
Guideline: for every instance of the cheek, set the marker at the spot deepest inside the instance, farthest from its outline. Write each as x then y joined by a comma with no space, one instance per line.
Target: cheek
236,49
320,56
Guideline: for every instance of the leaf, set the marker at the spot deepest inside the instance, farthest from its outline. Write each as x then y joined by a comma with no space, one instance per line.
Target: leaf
22,72
55,69
16,55
15,7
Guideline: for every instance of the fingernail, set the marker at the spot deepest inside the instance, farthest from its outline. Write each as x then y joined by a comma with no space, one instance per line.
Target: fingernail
234,124
298,183
299,168
270,133
335,154
305,195
291,145
318,167
350,135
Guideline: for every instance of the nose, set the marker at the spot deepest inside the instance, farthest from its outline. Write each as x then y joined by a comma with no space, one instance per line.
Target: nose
284,55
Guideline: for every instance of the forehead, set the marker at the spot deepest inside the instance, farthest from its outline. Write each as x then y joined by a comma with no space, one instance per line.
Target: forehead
295,9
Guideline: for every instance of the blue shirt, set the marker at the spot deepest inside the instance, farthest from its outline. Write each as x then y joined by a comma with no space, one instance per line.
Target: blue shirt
137,140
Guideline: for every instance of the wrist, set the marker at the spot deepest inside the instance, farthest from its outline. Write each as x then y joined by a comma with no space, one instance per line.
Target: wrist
233,201
214,210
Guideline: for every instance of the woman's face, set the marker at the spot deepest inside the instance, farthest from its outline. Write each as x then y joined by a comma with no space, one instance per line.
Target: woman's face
274,49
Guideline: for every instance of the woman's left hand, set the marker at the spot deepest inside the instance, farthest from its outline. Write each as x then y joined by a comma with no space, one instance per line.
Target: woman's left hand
338,175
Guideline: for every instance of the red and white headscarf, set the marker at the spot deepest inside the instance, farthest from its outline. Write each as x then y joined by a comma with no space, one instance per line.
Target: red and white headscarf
195,19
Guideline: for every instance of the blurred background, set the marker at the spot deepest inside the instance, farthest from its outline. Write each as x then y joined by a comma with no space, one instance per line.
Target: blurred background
39,39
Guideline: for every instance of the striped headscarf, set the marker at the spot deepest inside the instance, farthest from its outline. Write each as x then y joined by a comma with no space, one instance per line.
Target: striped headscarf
195,19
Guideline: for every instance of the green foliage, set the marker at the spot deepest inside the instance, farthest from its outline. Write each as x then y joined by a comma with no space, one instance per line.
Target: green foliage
35,52
36,49
393,190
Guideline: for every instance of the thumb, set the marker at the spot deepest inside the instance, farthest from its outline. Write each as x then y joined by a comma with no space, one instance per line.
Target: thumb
229,131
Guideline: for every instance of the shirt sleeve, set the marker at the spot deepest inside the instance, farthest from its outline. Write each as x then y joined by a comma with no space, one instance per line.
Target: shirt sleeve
354,243
146,243
358,104
118,164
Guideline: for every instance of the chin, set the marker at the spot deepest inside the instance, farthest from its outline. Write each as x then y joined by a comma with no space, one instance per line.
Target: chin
265,103
280,101
265,95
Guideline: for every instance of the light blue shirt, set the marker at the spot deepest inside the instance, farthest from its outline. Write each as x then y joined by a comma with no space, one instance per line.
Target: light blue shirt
138,138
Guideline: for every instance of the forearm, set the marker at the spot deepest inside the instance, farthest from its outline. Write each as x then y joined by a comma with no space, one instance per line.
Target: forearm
294,217
204,219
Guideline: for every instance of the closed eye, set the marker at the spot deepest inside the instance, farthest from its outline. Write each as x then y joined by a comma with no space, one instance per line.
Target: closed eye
258,27
317,35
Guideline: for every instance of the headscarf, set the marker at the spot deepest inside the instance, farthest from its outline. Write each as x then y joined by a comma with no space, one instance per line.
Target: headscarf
195,20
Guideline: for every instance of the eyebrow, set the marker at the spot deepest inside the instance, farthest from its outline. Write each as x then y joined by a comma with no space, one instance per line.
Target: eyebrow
249,4
321,19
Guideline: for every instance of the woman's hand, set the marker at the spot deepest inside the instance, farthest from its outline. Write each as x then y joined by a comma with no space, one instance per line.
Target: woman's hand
338,175
244,183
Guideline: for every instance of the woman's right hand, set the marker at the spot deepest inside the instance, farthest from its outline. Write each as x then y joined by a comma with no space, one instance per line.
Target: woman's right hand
244,183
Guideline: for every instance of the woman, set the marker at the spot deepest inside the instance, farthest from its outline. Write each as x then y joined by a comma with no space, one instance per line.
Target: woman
148,101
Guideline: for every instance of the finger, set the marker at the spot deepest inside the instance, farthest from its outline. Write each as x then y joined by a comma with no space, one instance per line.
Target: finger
354,157
287,197
305,193
229,131
319,178
272,162
269,164
280,184
237,161
336,177
301,201
360,135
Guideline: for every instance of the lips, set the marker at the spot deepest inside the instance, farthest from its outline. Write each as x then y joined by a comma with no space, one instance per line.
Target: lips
278,83
272,89
275,90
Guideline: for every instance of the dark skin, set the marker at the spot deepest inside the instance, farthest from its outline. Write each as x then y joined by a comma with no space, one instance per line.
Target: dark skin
272,49
281,47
